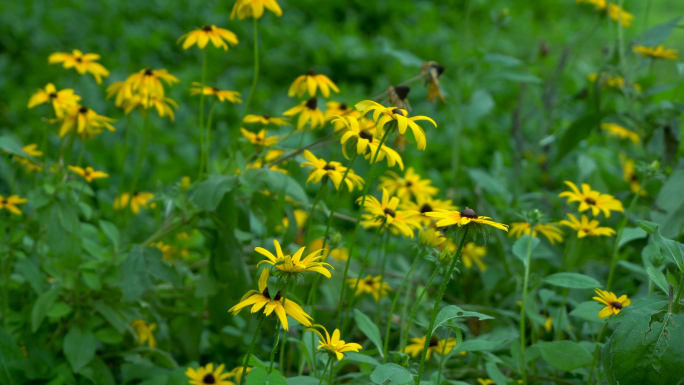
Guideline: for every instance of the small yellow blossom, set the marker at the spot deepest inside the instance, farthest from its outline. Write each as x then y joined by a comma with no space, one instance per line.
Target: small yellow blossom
143,332
10,203
254,8
221,95
592,199
308,111
369,285
334,345
218,37
311,82
60,100
550,231
86,122
82,63
138,200
294,264
88,173
259,139
586,228
265,120
620,131
612,302
435,345
658,52
463,218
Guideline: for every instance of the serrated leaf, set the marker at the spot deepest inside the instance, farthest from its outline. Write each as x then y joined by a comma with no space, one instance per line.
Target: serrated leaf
573,281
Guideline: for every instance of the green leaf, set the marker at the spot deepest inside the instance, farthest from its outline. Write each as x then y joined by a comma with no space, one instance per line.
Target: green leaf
578,131
513,76
111,232
658,278
92,280
358,357
564,355
478,345
10,355
41,307
588,311
495,374
208,193
573,281
393,373
452,311
31,271
656,35
647,226
158,268
672,250
112,316
631,233
369,328
79,347
302,380
136,279
520,247
259,376
109,336
276,181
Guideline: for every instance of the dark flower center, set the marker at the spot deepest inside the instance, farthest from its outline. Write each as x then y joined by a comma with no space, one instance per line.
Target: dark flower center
83,110
369,282
278,296
209,379
439,68
312,103
343,106
409,183
634,178
86,173
397,111
52,95
426,208
590,201
148,72
266,294
206,28
329,167
267,116
433,341
617,305
365,134
4,201
135,193
586,230
469,213
215,89
80,60
390,212
402,91
310,72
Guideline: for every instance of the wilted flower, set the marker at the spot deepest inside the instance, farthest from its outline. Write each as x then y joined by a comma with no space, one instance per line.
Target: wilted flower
398,96
432,71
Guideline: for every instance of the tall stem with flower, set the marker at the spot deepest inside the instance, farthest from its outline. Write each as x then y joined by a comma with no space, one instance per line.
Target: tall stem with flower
256,72
526,280
201,117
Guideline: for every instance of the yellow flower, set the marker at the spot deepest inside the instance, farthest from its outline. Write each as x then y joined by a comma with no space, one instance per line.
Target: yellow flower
262,300
370,285
334,345
294,265
621,132
586,228
337,109
550,231
616,82
30,165
206,375
308,112
367,142
10,203
185,184
658,52
431,237
613,10
341,254
333,170
612,302
482,381
548,324
473,253
425,205
383,115
167,251
236,373
301,216
254,8
463,218
259,139
148,82
138,201
436,346
221,95
385,214
631,177
85,121
409,186
144,332
88,173
60,99
311,82
432,71
591,199
82,63
265,120
218,36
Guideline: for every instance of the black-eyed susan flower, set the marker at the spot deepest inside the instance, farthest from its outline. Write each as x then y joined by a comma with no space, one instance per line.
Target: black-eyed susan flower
385,214
254,8
613,10
137,201
308,111
550,231
60,100
294,265
431,71
333,345
336,109
221,95
149,82
163,105
144,332
612,81
32,150
218,37
463,218
435,346
206,375
370,285
82,63
659,52
431,237
366,141
86,122
10,203
621,132
311,82
265,120
591,199
259,138
630,176
333,170
410,186
271,303
425,205
586,228
612,302
383,115
88,173
471,254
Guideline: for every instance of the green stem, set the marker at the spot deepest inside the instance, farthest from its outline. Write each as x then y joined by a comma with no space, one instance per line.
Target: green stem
251,348
141,155
415,308
383,265
201,116
441,357
352,244
522,309
277,339
125,154
435,309
324,369
616,246
394,305
256,74
207,135
332,366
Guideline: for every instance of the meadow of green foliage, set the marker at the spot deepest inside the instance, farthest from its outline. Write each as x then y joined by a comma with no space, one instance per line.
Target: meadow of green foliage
341,192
